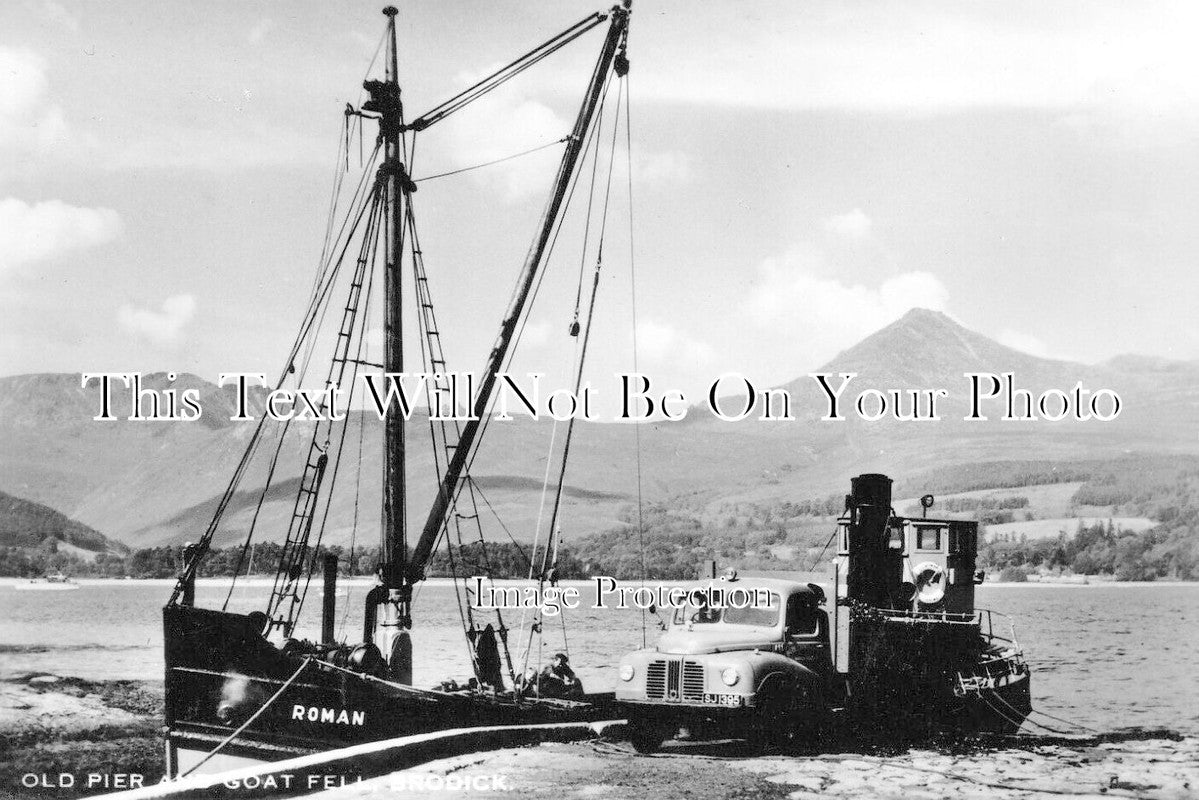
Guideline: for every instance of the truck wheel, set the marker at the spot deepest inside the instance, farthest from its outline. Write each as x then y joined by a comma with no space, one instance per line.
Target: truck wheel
790,718
809,721
646,737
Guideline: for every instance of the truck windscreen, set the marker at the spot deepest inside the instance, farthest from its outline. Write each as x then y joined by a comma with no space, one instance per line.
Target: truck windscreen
766,616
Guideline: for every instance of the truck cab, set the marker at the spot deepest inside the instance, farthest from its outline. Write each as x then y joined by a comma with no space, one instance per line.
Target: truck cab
763,670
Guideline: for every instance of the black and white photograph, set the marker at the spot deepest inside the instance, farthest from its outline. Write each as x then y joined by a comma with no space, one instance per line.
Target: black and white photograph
565,400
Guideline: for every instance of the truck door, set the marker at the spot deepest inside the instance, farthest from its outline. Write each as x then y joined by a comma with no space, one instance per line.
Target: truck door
807,633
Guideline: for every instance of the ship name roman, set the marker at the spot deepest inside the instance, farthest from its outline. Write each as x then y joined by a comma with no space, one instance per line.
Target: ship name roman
330,715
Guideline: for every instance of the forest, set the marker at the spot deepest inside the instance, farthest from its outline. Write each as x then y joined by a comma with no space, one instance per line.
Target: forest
671,540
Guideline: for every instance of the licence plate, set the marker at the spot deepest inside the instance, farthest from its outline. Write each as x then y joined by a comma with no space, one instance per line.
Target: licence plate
733,700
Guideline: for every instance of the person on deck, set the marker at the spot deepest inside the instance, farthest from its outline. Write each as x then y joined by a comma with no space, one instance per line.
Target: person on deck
559,680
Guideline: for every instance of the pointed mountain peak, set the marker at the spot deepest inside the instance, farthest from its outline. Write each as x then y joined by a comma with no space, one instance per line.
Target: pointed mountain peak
926,347
925,316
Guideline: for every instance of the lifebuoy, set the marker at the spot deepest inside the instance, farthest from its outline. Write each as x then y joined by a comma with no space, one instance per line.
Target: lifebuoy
930,582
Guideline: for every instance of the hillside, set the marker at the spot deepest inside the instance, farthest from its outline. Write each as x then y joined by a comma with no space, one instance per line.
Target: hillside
26,524
157,483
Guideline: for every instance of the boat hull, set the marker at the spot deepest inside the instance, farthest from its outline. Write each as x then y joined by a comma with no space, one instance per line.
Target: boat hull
223,678
998,709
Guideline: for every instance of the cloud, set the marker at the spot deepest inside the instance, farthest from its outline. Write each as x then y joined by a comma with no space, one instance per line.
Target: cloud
669,166
811,318
163,327
501,124
28,121
33,233
57,14
1025,343
34,131
852,225
660,342
260,30
927,57
223,147
536,334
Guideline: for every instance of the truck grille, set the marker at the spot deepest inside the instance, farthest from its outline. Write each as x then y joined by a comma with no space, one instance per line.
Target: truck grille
674,680
655,680
693,681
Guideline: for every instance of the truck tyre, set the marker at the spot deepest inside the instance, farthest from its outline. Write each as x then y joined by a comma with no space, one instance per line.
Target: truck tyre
646,737
792,717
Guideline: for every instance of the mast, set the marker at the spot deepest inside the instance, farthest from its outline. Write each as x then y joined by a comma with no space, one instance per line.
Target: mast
394,182
394,509
615,41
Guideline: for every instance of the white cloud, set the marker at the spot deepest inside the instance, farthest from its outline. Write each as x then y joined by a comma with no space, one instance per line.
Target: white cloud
810,318
660,342
57,14
852,225
935,57
223,147
535,334
501,124
49,229
163,327
1025,343
668,166
33,131
28,121
260,30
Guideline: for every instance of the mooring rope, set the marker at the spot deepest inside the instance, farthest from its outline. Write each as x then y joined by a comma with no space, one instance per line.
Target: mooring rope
254,716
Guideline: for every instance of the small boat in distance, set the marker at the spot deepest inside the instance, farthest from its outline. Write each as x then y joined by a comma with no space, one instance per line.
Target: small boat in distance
52,582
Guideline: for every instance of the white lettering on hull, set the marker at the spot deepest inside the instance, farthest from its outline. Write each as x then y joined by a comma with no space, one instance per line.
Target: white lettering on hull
330,716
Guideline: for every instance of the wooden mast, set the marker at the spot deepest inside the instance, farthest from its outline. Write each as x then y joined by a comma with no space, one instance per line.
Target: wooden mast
399,570
395,183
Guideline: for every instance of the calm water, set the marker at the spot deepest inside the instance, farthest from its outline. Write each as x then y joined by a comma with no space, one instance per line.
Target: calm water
1106,656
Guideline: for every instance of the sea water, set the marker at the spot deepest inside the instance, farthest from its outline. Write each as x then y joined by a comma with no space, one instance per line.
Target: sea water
1108,656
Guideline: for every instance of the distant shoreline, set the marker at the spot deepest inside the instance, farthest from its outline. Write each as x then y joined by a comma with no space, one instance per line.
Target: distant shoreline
266,582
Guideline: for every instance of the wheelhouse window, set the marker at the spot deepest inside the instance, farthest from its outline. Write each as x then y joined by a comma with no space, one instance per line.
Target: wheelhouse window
929,538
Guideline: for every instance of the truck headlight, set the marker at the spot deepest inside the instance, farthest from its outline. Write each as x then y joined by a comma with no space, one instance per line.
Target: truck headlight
730,676
627,672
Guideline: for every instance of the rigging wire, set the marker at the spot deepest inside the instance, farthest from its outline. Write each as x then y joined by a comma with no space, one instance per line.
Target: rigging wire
506,73
493,162
820,555
426,329
296,551
369,269
628,131
257,509
593,139
325,278
516,339
362,356
499,520
548,561
487,417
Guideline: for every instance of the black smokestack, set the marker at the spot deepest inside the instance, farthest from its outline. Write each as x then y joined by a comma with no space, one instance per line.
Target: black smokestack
870,509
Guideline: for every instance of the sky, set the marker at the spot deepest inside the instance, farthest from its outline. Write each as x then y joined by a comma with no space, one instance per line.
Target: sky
802,175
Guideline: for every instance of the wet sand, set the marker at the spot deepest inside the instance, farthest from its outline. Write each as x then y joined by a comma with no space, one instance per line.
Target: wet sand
1150,768
64,731
52,726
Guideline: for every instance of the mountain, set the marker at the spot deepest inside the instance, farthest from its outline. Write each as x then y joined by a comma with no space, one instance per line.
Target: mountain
928,348
149,483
